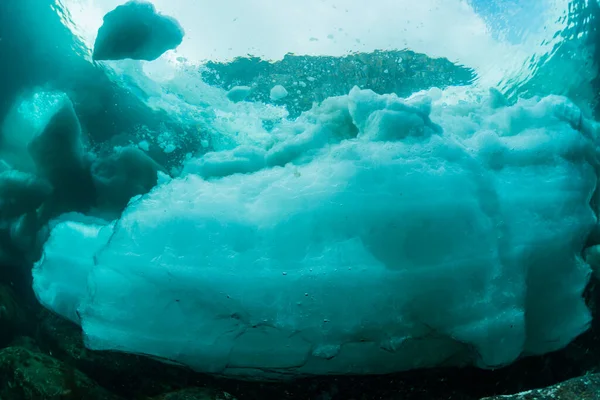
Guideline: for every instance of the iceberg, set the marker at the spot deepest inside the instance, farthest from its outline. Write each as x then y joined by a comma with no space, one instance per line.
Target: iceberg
379,234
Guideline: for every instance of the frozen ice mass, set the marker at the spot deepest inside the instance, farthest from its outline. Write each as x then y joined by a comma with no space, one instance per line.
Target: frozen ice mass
300,193
373,234
136,31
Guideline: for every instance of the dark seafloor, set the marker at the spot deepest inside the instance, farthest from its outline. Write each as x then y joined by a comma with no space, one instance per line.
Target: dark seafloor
43,357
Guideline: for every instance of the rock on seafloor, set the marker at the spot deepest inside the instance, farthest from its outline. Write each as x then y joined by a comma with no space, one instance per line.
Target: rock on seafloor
11,314
127,374
28,375
195,394
586,387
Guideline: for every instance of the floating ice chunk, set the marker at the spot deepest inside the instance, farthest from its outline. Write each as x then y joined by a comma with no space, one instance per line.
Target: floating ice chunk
21,193
239,93
383,248
46,170
278,92
144,145
59,156
169,148
136,31
42,135
58,151
167,141
126,173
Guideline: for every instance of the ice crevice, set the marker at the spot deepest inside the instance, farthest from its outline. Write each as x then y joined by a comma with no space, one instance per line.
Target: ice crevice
373,234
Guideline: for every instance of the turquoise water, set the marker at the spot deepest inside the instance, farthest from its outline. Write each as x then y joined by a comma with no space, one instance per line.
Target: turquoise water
327,191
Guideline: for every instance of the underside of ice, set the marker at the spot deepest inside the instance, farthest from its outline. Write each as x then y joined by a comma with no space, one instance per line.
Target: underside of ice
135,30
376,234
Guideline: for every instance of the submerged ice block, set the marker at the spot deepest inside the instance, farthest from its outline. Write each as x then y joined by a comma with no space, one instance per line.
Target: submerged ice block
135,30
396,235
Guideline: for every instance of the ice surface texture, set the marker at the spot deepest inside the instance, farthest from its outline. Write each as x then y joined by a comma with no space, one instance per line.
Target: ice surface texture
136,31
376,235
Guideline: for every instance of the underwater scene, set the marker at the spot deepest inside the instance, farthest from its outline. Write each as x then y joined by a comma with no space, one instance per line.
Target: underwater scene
283,199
